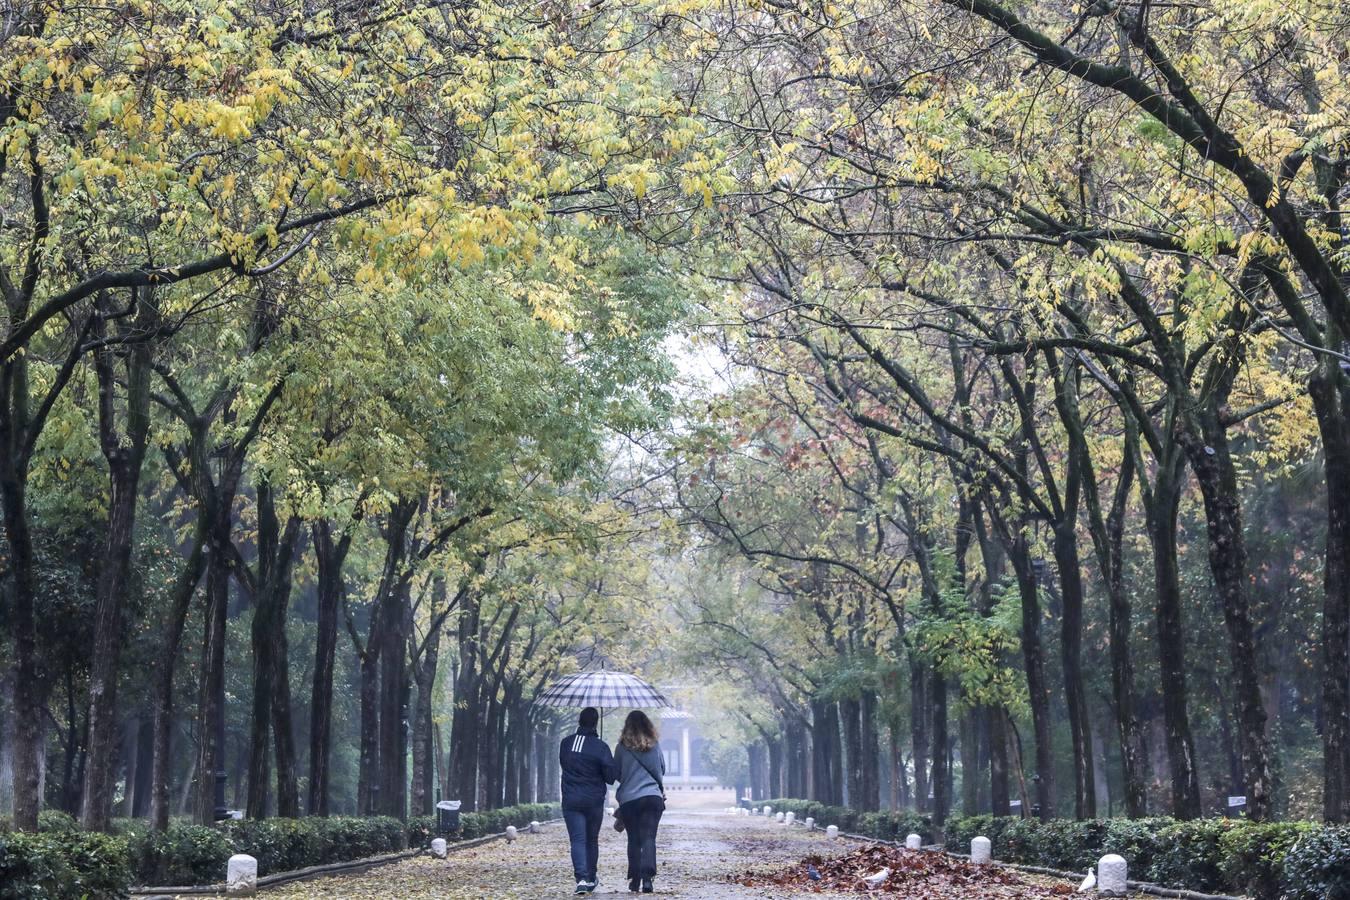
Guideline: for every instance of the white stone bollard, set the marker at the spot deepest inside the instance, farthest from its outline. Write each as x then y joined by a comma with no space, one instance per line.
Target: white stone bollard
810,824
768,810
832,832
981,850
780,817
510,833
913,842
790,818
241,876
1112,872
535,828
438,848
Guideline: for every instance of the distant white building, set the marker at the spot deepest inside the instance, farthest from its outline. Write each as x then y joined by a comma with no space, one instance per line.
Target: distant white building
682,745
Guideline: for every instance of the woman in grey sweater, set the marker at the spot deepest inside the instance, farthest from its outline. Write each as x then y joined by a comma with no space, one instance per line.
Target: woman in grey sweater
641,796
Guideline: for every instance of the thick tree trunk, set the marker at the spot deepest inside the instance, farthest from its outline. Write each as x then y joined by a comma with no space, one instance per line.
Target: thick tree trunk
367,787
999,799
870,759
1033,655
464,726
824,736
125,454
330,556
772,783
211,687
942,760
1071,654
23,626
1216,475
423,780
850,715
179,604
1161,514
1129,729
918,729
1330,392
969,739
394,691
283,726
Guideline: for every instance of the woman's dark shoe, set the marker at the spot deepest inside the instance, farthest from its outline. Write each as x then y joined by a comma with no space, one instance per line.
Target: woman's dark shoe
632,885
647,886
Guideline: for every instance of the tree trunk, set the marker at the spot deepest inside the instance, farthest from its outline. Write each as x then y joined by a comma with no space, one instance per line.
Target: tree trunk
1161,513
1216,475
330,556
1330,392
125,454
423,775
870,760
822,723
210,712
179,604
850,714
1033,656
918,729
464,729
941,750
1071,653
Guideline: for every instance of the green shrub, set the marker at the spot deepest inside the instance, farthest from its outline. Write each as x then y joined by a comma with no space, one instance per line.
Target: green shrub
1317,867
54,821
57,866
182,855
1252,856
1211,855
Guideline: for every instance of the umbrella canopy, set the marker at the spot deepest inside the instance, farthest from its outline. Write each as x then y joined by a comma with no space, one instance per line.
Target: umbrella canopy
602,689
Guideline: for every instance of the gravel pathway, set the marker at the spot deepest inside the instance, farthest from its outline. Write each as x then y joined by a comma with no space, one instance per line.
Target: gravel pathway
697,848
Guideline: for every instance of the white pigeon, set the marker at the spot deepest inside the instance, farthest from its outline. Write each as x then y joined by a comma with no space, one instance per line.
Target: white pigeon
877,880
1089,882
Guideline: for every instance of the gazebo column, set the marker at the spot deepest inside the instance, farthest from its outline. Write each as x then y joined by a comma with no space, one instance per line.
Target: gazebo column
685,761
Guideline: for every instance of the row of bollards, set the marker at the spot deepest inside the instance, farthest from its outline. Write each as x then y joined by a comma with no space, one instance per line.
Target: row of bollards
1109,880
241,872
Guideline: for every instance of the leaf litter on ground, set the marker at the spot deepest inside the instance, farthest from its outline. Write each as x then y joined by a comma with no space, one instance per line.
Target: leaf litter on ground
914,875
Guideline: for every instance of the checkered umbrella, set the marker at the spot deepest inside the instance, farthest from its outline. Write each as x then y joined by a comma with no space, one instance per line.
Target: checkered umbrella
602,689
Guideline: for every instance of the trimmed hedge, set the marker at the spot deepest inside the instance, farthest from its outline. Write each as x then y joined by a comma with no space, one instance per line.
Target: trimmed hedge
59,865
62,862
886,826
481,824
1266,860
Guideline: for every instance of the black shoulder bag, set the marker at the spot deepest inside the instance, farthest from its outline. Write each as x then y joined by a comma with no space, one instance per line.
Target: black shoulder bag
619,823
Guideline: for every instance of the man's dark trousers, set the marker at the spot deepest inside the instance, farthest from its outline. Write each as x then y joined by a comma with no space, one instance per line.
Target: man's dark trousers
583,830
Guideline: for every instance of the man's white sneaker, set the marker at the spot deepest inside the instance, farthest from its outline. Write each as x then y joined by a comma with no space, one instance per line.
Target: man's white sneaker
583,887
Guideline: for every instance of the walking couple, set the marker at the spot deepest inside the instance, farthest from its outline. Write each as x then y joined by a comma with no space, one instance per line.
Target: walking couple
587,767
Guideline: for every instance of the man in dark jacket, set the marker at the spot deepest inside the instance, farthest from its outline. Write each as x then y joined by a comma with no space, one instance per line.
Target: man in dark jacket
587,766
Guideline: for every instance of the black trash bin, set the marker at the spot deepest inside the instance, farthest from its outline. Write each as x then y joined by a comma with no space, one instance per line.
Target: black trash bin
447,816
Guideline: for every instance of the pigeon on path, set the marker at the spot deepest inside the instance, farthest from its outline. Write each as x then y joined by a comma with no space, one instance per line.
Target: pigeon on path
1089,882
812,872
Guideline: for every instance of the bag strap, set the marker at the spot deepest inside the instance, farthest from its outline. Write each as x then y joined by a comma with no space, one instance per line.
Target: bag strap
655,777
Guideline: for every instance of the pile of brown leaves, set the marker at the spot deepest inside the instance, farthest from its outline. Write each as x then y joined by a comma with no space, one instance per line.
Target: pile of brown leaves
915,875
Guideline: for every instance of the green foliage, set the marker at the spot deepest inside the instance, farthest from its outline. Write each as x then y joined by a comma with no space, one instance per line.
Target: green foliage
1214,855
182,855
196,854
54,821
1318,866
1253,858
62,864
